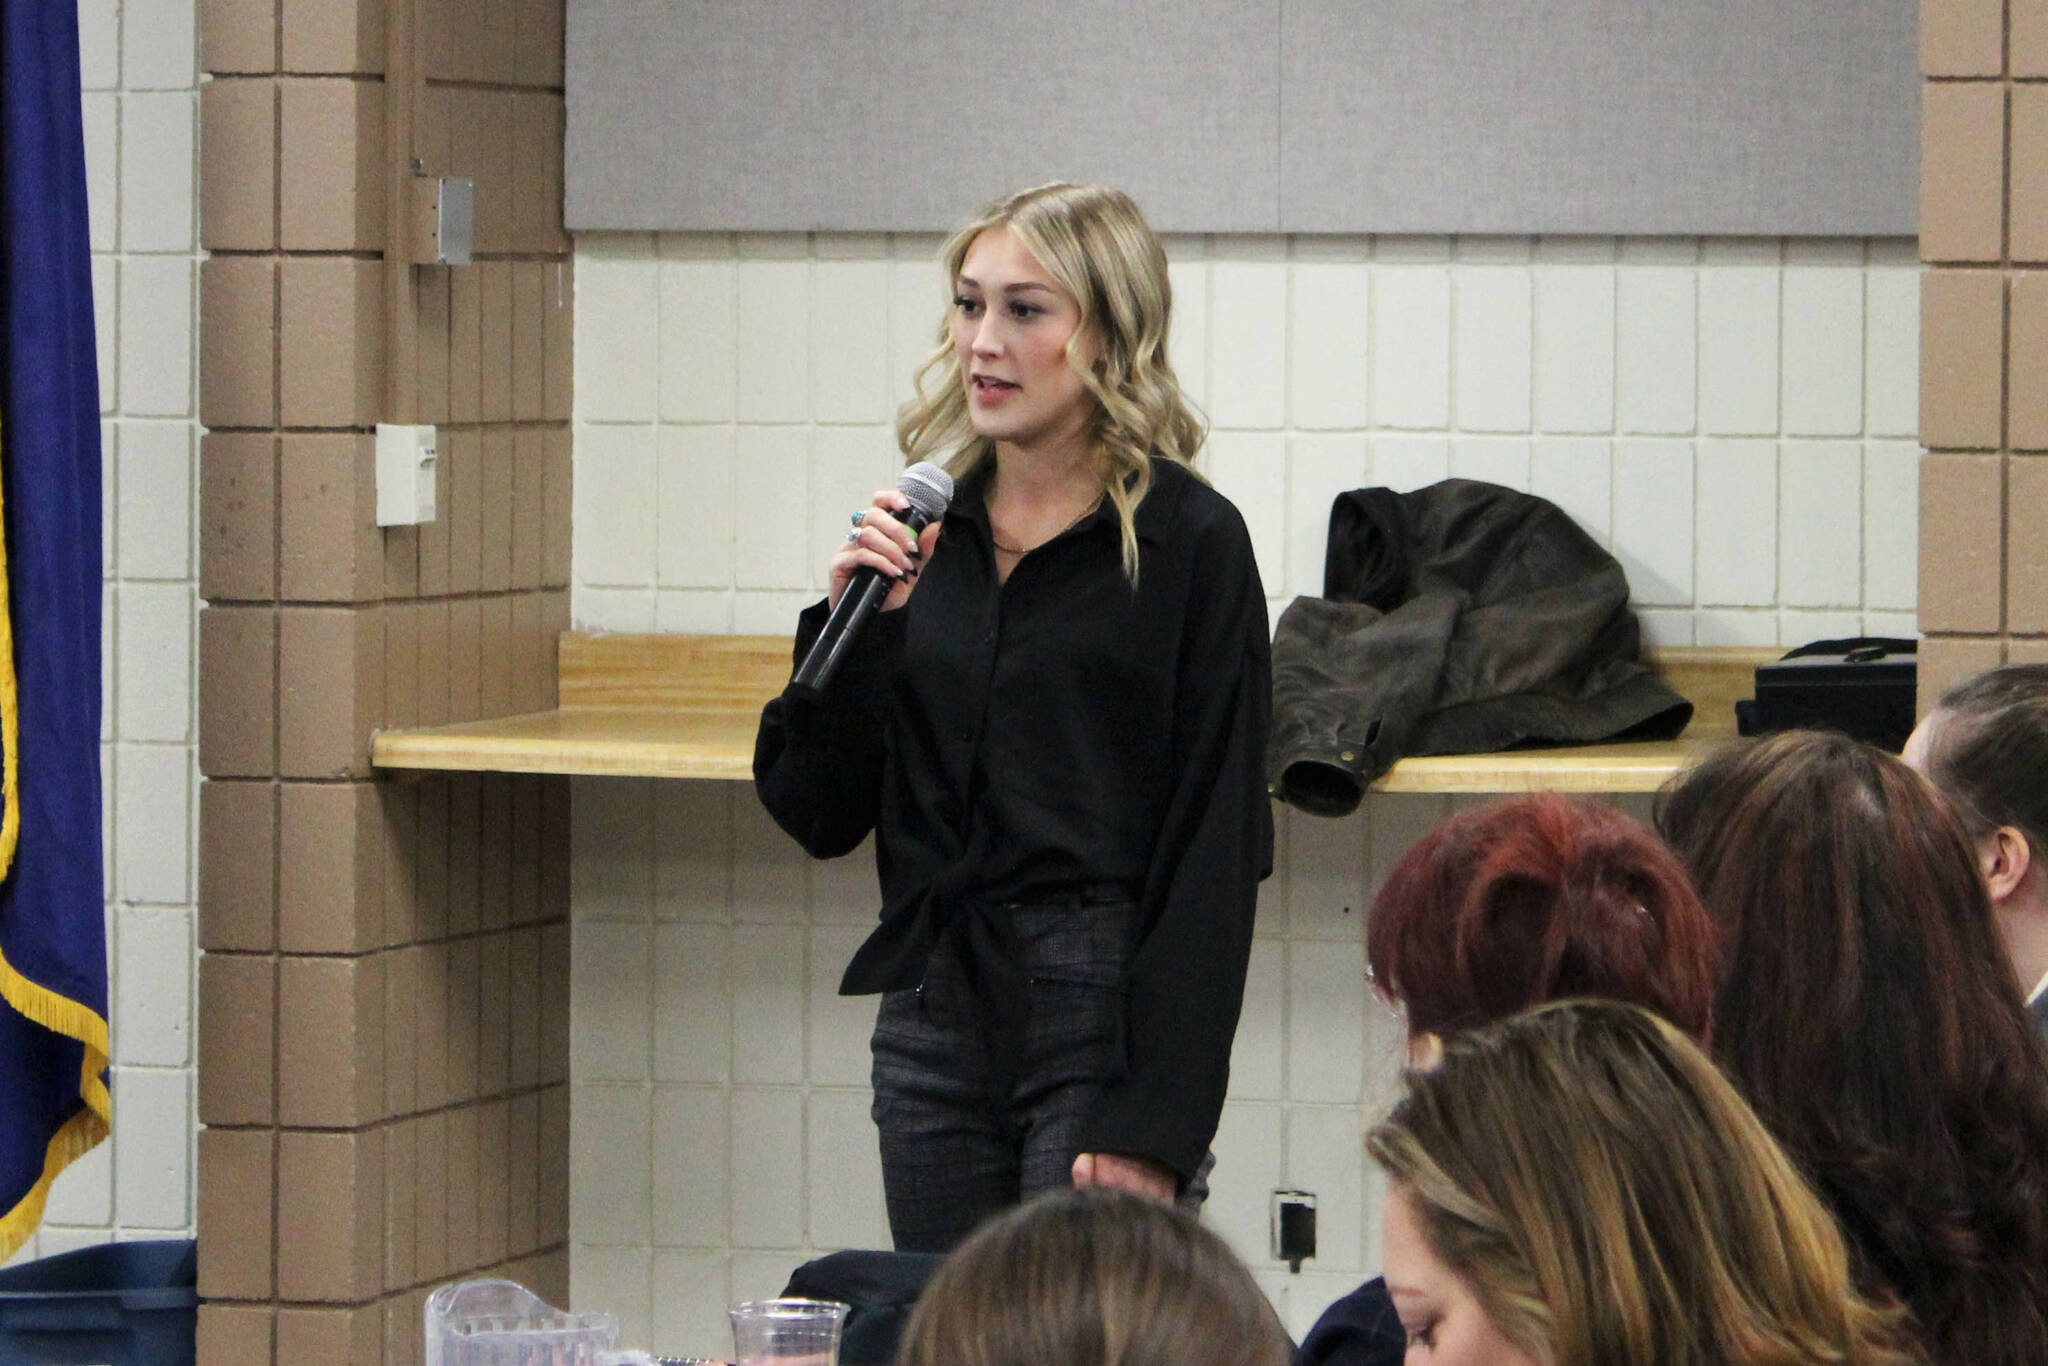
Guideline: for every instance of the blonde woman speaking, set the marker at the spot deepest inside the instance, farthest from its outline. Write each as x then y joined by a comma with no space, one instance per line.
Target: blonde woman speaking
1055,730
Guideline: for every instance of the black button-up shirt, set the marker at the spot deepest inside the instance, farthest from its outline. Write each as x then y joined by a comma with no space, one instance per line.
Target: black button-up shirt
1008,740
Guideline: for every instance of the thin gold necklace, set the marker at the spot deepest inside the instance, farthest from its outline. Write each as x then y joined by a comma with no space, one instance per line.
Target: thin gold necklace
1093,503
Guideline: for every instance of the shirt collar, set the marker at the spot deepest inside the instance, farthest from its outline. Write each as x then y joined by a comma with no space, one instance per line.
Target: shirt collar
2040,989
1152,521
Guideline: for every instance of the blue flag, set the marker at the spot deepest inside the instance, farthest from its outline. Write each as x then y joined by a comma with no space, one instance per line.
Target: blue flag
53,950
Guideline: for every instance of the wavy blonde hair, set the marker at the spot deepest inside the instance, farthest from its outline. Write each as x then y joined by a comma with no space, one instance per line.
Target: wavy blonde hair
1095,243
1611,1201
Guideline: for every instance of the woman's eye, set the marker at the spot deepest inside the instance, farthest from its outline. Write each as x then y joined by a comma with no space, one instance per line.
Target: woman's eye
1023,312
966,305
1424,1336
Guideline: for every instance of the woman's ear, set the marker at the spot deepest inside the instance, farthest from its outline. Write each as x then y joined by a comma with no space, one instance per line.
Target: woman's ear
1087,349
2004,856
1425,1051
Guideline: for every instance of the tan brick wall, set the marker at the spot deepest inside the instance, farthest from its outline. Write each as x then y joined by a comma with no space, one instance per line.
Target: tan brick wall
384,991
1983,337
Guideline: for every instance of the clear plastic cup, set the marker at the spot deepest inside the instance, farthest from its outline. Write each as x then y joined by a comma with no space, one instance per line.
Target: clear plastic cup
787,1332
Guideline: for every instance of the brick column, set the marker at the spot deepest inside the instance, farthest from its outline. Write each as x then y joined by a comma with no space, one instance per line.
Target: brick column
1983,337
384,988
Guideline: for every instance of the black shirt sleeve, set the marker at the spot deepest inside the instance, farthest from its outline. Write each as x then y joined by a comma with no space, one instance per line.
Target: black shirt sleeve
1186,982
818,764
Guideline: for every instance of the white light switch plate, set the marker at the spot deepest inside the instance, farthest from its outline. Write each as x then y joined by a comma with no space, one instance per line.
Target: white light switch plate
405,474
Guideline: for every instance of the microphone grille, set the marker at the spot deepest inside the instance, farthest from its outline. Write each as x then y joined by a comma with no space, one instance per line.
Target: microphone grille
929,488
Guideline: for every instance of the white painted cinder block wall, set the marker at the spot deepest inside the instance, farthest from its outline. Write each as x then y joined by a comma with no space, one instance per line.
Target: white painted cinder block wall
138,68
1735,418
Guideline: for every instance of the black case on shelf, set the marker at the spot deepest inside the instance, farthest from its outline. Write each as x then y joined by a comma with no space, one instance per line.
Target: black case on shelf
1864,687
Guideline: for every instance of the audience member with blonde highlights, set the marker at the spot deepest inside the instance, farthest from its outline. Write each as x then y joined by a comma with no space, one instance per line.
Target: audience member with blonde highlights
1093,1277
1578,1186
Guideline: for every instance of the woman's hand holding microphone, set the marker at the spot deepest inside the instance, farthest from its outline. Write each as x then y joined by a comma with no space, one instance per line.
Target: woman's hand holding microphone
875,568
879,541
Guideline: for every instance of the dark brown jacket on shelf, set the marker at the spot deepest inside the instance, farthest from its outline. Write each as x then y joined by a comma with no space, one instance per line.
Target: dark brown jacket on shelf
1462,618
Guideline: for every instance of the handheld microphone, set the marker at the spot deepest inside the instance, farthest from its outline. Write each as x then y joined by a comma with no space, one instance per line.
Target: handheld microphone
929,490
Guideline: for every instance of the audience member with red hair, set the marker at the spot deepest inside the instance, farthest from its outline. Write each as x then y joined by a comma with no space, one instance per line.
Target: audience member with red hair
1511,905
1869,1014
1508,905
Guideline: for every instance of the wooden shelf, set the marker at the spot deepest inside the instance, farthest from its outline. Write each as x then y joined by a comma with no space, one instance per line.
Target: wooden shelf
1583,768
634,742
652,706
641,706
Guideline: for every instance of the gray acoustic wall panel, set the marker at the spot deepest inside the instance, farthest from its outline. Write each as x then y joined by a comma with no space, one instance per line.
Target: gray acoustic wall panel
1773,117
1770,117
910,114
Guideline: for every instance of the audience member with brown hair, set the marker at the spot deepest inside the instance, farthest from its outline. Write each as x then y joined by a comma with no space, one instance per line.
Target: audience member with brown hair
1985,748
1505,906
1093,1277
1578,1186
1870,1016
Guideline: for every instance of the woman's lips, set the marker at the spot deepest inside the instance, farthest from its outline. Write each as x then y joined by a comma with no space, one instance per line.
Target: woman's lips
990,390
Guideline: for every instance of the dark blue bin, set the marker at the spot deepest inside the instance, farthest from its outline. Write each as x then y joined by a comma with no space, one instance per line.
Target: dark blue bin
119,1304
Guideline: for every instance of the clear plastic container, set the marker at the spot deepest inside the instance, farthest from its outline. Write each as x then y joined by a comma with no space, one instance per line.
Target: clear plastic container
502,1323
